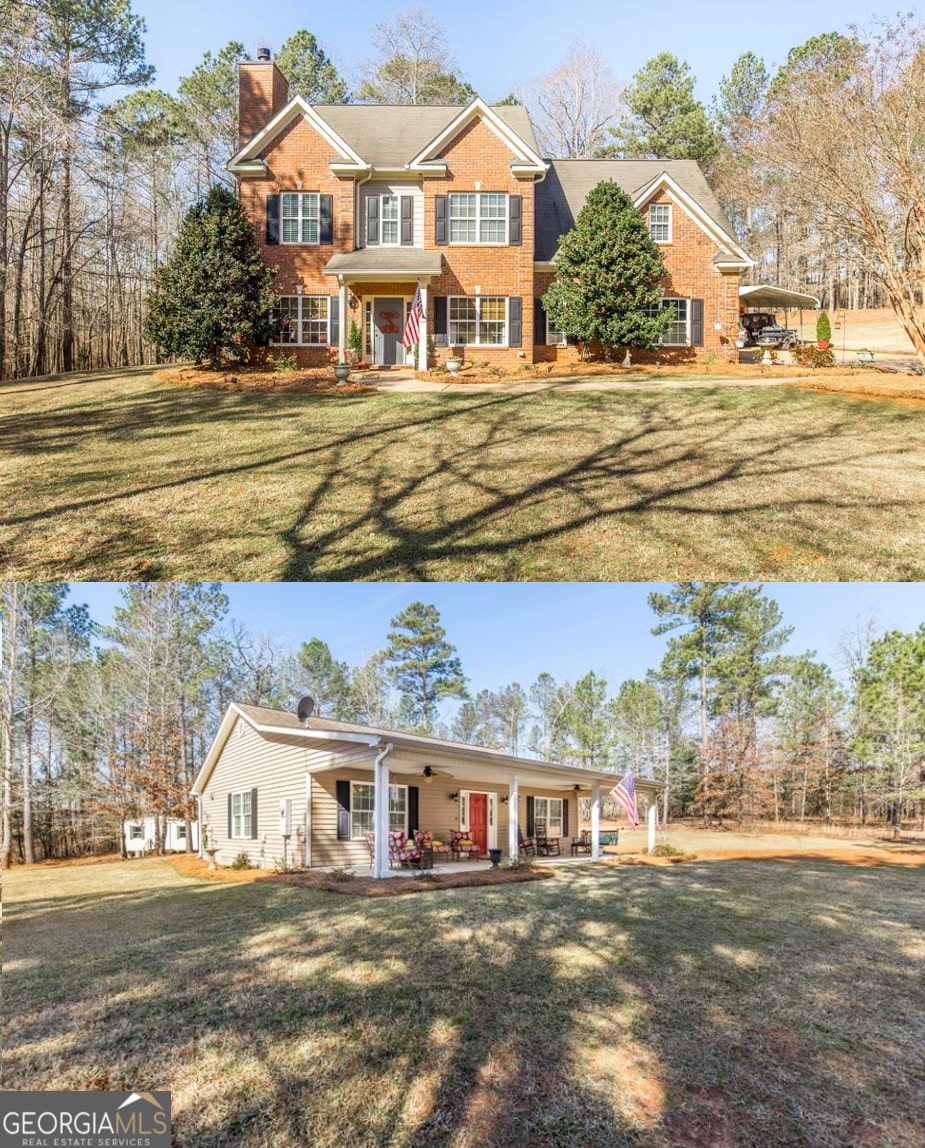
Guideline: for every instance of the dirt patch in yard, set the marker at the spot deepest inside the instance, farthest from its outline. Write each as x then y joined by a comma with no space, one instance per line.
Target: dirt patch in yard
318,380
907,388
425,883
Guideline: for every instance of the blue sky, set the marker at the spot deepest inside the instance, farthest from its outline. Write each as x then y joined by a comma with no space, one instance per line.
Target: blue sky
511,42
512,631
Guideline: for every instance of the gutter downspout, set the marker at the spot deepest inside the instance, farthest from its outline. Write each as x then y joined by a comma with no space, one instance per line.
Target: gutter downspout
381,812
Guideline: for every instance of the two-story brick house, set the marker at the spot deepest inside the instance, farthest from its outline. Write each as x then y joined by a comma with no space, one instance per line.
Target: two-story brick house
358,205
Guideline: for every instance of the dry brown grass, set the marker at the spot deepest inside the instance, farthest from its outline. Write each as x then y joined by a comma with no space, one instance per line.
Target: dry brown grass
118,476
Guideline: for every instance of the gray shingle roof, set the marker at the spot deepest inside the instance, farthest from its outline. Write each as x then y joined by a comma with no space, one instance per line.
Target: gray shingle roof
562,194
390,135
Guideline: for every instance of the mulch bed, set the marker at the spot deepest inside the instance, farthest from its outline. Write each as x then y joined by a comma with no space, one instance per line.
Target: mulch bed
317,380
426,883
192,866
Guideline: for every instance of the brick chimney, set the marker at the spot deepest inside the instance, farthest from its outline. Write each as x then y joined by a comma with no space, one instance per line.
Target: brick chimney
263,90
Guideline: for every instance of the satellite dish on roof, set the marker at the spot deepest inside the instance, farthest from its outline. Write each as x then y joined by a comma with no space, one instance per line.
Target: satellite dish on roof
305,708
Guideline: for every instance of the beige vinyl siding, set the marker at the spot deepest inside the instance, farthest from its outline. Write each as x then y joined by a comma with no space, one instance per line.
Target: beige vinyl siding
277,768
385,187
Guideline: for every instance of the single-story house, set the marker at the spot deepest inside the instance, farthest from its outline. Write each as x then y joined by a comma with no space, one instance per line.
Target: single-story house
285,791
141,835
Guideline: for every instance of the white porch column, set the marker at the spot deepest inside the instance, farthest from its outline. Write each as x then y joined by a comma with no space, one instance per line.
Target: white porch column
422,334
381,814
513,801
651,822
595,823
343,295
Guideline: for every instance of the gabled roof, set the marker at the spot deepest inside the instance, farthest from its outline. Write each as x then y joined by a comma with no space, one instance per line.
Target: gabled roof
281,723
386,136
563,192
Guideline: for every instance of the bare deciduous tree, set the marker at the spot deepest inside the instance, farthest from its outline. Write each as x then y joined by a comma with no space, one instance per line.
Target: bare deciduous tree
573,106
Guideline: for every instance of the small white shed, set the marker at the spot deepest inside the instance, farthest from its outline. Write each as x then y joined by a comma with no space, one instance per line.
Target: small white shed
141,835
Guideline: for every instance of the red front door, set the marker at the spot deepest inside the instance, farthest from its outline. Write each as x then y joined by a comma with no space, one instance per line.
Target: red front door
478,820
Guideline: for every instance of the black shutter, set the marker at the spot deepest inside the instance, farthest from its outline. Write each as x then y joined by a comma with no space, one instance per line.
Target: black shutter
440,208
696,322
335,321
230,822
407,220
253,813
530,817
565,817
343,810
372,221
515,230
326,219
413,795
515,321
440,324
272,219
539,323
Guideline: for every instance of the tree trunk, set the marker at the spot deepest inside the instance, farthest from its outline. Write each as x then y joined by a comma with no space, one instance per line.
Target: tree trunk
10,639
67,255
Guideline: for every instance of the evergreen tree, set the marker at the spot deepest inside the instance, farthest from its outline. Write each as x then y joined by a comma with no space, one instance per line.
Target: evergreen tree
311,74
810,737
608,276
209,102
549,701
424,665
589,722
666,121
213,298
325,679
371,692
413,63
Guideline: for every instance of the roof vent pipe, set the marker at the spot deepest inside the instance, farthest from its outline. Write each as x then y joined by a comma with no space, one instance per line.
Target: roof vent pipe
263,55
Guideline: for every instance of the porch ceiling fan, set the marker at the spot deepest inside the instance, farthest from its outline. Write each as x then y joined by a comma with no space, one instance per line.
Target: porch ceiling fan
575,788
430,772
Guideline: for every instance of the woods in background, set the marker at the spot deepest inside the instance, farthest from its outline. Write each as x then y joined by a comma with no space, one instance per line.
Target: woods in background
101,723
97,168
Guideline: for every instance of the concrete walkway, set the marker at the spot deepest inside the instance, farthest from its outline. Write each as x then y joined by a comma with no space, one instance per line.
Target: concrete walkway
407,383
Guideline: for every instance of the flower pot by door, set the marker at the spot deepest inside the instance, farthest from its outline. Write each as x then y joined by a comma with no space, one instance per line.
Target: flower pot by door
341,372
494,855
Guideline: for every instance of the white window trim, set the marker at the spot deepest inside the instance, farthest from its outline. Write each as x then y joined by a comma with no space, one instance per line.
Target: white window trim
370,785
547,818
505,242
562,341
679,299
246,819
670,239
478,321
397,241
300,242
136,833
299,321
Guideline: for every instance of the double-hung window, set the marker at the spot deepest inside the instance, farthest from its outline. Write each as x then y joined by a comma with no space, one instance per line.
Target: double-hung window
549,809
305,320
241,813
478,321
554,337
362,809
389,233
660,222
300,216
678,333
135,832
478,217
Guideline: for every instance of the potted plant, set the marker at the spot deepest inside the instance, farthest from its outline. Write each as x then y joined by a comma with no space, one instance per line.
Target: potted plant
823,330
494,855
453,362
342,371
354,343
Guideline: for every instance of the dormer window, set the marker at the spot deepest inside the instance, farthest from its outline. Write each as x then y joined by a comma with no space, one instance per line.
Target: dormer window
660,222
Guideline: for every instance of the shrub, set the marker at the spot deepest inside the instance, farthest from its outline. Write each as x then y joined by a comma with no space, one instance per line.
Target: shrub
822,357
666,849
242,861
285,363
354,342
823,327
479,363
341,876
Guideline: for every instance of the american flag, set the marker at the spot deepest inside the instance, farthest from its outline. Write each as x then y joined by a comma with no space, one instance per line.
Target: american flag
624,794
413,326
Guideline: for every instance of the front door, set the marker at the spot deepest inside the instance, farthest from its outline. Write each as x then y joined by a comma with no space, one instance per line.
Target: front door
387,330
478,820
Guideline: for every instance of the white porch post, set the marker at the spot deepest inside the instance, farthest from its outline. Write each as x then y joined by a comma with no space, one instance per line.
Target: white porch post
513,799
422,334
343,295
381,814
651,822
595,823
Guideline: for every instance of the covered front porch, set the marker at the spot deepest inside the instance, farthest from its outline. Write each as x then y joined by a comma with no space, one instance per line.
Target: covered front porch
376,288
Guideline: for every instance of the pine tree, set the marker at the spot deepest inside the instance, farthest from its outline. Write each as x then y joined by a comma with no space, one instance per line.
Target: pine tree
310,72
213,298
424,665
608,276
325,679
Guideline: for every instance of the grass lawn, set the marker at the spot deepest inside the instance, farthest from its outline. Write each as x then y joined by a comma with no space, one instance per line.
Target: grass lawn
116,476
708,1004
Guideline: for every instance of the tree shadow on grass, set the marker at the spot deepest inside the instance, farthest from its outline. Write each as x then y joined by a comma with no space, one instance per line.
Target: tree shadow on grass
699,1005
